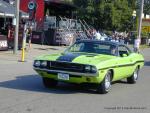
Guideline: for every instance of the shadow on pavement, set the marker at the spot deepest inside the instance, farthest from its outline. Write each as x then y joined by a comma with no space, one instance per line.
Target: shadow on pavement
34,83
120,82
46,49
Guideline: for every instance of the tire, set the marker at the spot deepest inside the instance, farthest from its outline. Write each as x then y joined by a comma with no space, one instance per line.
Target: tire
49,83
105,86
133,79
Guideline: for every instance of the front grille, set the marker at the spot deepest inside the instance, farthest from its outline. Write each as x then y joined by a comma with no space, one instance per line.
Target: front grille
65,66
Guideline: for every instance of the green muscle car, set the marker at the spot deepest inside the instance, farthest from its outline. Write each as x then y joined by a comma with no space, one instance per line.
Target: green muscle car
90,62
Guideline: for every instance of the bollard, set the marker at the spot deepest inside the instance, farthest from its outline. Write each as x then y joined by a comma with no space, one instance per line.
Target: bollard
24,44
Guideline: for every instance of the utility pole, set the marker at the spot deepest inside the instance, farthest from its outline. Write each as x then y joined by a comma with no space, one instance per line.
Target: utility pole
140,20
17,4
138,40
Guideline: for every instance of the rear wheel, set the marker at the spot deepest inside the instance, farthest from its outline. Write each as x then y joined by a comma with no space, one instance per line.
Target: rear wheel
105,86
48,83
132,79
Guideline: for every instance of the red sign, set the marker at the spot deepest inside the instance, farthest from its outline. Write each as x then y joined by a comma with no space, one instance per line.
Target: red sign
39,16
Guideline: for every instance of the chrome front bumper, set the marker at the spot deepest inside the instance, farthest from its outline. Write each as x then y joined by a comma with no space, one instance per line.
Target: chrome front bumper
68,72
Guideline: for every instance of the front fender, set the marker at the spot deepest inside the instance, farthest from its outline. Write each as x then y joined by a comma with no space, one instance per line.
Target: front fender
102,73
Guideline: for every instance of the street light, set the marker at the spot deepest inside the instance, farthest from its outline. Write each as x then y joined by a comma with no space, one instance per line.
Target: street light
134,16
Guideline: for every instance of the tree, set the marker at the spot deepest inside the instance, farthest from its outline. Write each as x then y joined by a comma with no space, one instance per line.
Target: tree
146,9
107,14
132,4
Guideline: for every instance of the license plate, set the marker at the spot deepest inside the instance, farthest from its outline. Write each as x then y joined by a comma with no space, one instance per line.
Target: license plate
63,76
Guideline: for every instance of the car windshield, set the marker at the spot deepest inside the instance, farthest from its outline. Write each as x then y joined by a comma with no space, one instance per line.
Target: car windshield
93,47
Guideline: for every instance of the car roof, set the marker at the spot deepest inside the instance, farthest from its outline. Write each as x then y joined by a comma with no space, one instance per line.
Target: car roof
101,42
113,43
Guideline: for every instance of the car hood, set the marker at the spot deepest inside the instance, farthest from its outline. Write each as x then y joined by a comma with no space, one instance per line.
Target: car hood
82,58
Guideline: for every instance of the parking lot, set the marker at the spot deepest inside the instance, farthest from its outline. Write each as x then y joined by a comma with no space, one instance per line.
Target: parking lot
22,91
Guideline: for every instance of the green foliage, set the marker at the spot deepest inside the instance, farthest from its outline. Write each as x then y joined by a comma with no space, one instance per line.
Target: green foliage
68,1
145,35
107,14
132,4
146,9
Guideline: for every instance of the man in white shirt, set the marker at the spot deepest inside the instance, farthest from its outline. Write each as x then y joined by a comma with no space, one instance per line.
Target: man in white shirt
137,44
98,36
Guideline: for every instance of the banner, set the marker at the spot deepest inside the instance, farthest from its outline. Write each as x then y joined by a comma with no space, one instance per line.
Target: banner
146,25
146,29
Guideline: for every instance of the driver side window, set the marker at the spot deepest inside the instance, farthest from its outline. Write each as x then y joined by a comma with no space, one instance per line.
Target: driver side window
123,51
77,47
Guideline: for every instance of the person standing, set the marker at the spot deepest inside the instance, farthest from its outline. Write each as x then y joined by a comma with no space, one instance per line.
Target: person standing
137,45
93,34
30,36
98,36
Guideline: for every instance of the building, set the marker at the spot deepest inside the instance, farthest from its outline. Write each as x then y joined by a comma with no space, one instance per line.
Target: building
50,19
7,15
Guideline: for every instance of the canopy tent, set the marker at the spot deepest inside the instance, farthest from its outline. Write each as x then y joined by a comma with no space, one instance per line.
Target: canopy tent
60,8
8,10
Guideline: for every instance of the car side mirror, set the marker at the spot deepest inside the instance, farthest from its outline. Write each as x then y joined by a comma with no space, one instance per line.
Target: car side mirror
124,55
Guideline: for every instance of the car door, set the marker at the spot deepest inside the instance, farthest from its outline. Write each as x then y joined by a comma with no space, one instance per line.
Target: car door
124,63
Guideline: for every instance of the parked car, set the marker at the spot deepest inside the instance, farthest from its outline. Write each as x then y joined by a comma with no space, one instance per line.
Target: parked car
91,62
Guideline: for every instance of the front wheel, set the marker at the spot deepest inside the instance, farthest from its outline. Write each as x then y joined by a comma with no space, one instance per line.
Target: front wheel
48,83
105,86
132,79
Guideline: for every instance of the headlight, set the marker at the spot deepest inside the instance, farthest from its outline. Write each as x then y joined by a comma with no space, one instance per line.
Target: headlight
90,69
93,69
37,63
44,63
87,68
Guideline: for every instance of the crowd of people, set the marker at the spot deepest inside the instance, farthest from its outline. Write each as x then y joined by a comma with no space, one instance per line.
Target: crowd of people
124,38
116,37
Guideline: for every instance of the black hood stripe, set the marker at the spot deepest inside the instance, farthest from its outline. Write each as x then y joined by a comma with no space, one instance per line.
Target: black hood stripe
68,57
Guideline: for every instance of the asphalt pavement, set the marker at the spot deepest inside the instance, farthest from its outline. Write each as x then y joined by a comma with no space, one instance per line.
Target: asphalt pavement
30,53
22,91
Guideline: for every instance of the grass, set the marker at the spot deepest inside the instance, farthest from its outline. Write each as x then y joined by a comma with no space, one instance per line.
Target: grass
144,46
